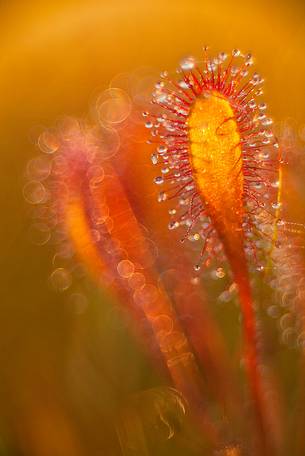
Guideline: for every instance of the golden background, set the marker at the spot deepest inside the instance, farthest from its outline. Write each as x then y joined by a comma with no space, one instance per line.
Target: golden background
61,369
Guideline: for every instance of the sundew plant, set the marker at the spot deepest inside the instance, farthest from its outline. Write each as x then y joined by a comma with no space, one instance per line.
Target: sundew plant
175,204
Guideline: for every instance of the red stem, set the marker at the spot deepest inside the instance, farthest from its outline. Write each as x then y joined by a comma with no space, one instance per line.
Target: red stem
251,355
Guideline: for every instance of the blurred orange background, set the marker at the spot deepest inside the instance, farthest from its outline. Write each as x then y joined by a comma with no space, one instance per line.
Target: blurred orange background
56,56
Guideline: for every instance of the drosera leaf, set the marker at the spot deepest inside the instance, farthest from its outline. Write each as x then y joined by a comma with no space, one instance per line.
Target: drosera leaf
221,157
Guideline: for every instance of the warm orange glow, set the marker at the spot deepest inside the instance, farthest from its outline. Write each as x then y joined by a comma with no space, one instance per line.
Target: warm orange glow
215,155
77,362
79,233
